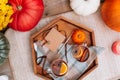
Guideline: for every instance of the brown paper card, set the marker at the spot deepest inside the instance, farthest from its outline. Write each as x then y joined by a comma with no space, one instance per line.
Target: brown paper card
54,38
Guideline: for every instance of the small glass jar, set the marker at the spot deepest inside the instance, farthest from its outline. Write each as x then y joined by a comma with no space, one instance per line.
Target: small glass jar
80,52
59,67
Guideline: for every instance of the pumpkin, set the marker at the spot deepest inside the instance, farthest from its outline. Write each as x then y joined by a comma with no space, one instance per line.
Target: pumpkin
27,14
110,12
78,36
4,48
116,47
4,77
84,7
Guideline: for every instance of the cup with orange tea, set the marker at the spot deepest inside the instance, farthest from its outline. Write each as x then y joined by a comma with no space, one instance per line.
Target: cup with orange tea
81,53
59,67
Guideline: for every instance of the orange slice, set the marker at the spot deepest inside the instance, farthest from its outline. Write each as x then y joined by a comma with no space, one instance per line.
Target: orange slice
79,53
63,69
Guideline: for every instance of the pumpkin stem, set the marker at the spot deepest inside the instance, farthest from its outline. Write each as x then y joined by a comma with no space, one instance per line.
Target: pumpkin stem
79,36
19,7
102,1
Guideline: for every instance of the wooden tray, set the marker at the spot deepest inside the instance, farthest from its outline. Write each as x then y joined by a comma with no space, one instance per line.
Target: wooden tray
68,26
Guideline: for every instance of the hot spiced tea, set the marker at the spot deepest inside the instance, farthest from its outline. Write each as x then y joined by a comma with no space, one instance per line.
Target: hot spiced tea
81,53
59,67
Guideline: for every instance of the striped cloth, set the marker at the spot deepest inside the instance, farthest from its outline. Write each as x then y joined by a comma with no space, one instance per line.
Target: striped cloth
75,68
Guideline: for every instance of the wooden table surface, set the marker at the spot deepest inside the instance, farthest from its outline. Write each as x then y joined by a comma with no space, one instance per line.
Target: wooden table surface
109,64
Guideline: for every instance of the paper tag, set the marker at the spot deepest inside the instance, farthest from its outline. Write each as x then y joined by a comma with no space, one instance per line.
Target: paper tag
54,38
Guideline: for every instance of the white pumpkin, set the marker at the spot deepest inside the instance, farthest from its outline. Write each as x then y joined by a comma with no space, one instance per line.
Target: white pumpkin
4,77
84,7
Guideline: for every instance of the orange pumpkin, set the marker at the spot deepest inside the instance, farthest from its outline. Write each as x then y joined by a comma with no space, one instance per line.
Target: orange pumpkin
78,36
110,12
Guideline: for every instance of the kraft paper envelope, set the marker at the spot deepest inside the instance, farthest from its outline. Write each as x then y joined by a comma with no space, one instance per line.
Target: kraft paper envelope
54,39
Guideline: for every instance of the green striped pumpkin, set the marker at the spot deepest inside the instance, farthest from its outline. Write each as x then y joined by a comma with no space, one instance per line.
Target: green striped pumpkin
4,48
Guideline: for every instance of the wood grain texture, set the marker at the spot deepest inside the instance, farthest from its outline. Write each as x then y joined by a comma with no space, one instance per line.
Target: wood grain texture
54,7
109,64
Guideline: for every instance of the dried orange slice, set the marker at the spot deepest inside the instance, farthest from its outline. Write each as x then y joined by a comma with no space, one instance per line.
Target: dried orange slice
63,69
78,53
